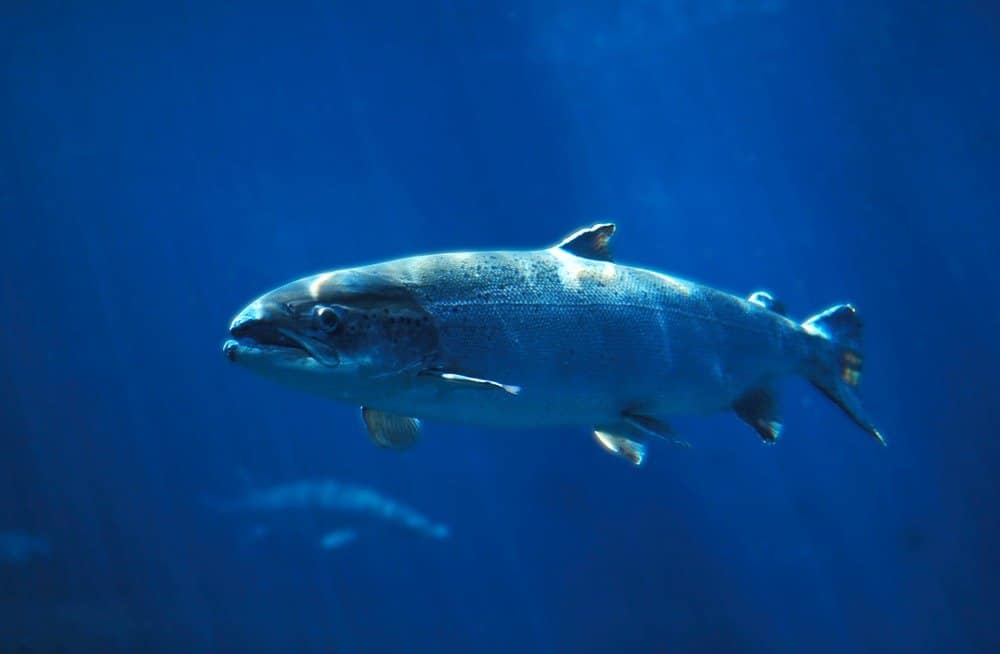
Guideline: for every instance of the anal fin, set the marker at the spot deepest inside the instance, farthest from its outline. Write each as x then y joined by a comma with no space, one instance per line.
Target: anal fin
389,430
758,407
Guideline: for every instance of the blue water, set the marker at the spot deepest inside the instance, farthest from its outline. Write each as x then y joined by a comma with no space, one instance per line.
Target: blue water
162,165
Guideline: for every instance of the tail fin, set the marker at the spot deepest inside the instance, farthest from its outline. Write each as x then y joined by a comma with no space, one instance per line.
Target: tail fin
837,368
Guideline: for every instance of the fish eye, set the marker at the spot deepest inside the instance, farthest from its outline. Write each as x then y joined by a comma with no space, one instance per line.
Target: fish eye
326,319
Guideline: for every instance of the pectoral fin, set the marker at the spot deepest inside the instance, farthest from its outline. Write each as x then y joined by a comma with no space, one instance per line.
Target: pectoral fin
759,408
651,426
626,447
389,430
471,382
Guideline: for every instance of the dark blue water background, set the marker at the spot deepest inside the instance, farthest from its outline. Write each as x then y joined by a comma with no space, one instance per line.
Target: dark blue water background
162,165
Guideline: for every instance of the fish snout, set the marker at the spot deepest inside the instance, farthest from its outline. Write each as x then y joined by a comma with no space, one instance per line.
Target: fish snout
230,348
245,320
241,331
253,328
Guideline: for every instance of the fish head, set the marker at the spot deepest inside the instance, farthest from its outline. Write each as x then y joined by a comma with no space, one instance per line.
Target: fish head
334,332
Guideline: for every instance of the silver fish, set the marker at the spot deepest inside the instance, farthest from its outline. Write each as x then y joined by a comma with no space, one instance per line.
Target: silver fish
330,495
558,336
338,538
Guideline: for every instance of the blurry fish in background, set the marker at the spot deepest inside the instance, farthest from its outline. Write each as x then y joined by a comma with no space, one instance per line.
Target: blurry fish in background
330,496
18,547
338,538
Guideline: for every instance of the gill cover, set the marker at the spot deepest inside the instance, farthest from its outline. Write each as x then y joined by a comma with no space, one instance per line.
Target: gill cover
371,321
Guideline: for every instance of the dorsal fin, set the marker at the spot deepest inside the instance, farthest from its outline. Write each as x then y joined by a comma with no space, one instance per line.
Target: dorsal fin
590,242
766,300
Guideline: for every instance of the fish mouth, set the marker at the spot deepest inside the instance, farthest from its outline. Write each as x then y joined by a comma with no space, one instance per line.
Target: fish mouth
319,351
234,347
257,334
260,337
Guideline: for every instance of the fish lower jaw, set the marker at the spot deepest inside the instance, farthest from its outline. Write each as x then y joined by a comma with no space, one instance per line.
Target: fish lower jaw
237,350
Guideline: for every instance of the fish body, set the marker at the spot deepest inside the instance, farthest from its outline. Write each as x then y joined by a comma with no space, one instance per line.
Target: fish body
329,496
584,340
558,336
338,538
